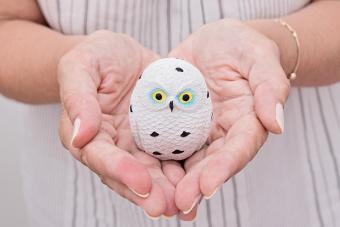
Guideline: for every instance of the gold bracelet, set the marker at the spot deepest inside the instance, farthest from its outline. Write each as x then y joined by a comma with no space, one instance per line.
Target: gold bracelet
292,76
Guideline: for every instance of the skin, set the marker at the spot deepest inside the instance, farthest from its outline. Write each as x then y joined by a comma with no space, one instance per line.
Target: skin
245,66
96,90
238,82
96,79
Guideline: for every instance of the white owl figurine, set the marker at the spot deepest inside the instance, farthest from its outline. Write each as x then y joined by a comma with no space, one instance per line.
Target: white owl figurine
170,110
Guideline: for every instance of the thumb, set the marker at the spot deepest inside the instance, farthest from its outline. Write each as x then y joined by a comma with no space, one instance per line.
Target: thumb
78,93
270,87
183,50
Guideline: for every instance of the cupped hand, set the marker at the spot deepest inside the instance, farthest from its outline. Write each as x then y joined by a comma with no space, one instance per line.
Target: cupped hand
248,89
96,79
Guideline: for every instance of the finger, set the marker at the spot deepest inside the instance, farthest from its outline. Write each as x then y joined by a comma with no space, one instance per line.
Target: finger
109,161
154,167
271,87
78,93
168,190
173,171
65,132
183,50
188,193
190,216
188,189
243,141
154,205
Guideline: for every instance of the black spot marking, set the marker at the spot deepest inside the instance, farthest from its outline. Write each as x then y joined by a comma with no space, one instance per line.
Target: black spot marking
208,94
140,77
156,153
154,134
177,152
179,69
131,108
185,134
212,115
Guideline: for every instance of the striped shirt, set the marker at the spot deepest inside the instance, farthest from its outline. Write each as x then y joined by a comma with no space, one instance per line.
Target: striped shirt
294,181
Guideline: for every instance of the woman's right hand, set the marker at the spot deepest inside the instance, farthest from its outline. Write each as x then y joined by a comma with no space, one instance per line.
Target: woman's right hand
96,79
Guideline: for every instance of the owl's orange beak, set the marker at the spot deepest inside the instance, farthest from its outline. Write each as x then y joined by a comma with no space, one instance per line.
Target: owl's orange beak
171,105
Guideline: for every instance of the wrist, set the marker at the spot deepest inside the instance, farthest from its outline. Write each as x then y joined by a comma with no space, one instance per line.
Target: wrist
68,42
283,39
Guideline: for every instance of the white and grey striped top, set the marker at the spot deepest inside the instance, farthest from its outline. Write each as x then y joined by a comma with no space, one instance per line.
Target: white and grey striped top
294,181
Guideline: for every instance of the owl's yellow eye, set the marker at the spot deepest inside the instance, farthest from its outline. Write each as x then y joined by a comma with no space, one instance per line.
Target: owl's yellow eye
159,96
186,97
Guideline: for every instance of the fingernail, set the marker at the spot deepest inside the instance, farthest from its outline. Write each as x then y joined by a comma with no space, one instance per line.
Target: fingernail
196,201
213,193
150,217
76,127
140,195
280,118
167,217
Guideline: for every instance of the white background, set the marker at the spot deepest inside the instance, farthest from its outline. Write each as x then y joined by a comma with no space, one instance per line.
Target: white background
12,207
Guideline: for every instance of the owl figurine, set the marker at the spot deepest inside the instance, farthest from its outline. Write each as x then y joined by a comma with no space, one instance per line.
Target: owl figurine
170,110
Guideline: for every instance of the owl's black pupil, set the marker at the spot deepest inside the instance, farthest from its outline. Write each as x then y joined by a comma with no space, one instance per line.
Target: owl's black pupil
159,96
186,97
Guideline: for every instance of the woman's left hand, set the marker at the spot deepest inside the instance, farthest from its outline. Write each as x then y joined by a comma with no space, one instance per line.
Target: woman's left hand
248,89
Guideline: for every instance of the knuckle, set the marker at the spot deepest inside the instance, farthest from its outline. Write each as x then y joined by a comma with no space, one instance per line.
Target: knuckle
63,140
63,131
285,89
69,100
285,86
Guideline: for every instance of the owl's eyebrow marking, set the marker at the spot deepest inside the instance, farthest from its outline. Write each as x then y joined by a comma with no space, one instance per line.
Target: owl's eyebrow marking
131,108
177,152
185,134
208,94
154,134
156,153
179,69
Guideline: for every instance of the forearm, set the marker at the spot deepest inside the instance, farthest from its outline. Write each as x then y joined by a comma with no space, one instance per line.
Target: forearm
29,57
317,26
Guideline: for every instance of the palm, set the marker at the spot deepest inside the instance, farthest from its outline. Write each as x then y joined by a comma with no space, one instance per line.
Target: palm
236,62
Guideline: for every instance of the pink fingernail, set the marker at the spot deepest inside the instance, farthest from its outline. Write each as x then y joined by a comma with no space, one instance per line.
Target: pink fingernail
196,201
151,217
76,127
144,196
280,118
213,193
167,217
